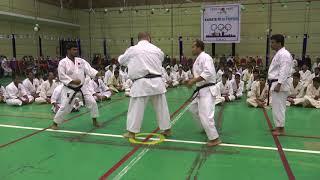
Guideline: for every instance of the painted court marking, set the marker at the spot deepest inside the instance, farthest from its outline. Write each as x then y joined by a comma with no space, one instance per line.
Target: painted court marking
44,129
167,140
145,150
136,148
282,155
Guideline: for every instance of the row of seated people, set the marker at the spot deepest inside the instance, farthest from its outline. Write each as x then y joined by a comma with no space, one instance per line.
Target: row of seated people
231,87
298,95
117,78
30,90
232,84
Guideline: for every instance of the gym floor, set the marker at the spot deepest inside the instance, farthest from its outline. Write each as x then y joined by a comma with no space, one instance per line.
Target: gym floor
79,151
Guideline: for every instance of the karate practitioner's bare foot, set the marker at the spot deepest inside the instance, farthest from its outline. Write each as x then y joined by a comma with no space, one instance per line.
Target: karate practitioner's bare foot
278,131
54,126
129,135
167,133
214,142
95,123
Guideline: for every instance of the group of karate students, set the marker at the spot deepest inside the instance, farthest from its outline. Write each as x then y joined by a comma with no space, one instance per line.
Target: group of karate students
302,90
116,78
142,77
20,92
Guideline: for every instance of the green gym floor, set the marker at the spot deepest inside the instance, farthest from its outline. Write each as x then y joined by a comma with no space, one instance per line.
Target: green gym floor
79,151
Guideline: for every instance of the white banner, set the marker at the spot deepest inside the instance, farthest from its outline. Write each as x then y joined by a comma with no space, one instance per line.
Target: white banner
221,23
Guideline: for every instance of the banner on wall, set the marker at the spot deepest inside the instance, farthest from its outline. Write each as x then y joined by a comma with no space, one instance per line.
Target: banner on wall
220,23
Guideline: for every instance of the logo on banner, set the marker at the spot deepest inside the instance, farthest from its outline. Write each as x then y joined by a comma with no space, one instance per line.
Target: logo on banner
221,30
221,23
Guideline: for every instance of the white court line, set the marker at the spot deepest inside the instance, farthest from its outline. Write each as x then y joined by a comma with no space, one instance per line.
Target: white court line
167,140
145,150
131,164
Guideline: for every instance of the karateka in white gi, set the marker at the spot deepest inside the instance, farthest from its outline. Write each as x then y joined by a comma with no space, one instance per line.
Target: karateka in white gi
72,72
144,62
46,89
16,93
203,106
279,80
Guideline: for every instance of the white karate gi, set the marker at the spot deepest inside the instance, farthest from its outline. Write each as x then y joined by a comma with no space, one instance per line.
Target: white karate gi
249,88
69,71
6,67
3,94
224,89
31,87
114,83
309,98
172,78
14,93
142,59
190,75
175,68
219,75
250,81
46,91
256,93
297,91
280,68
56,97
100,88
237,90
40,82
203,106
123,75
310,79
182,77
127,86
304,77
107,76
311,93
246,75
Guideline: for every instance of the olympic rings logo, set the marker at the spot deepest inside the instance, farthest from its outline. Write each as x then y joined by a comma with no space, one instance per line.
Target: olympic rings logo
221,27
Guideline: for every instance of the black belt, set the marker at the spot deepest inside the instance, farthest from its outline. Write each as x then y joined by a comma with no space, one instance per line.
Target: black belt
201,87
148,76
270,81
76,90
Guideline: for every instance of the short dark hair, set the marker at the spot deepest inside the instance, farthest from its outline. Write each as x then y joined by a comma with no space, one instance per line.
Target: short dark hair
296,74
225,75
279,38
316,79
199,44
263,75
255,71
15,75
317,68
71,45
237,75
